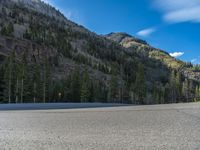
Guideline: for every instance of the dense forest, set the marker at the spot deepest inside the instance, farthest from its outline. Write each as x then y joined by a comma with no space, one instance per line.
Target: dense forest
47,58
23,82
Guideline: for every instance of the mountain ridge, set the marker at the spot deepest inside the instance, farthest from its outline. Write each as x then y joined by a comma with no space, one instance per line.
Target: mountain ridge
74,64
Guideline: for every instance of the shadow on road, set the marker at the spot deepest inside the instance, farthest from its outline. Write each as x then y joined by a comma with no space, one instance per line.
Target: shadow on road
8,107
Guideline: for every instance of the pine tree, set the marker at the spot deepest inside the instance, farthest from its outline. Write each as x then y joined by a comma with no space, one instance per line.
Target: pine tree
85,88
186,90
113,89
191,91
121,89
140,84
100,91
75,86
7,30
162,95
155,94
11,79
2,84
44,84
197,93
178,85
97,91
36,83
8,77
173,86
16,82
23,77
46,80
132,93
167,91
10,29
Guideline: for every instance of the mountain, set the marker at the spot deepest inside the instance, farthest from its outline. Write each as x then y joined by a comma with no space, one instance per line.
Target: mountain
45,57
142,47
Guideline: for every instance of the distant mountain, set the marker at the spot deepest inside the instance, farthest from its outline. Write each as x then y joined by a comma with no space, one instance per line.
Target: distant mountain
45,57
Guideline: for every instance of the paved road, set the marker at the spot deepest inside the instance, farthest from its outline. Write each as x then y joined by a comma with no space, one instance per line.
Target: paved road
164,127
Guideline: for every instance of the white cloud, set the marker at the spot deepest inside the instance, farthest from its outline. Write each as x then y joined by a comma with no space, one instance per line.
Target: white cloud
146,32
177,54
179,10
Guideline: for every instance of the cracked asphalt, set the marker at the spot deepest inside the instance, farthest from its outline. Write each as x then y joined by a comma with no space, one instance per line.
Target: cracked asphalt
159,127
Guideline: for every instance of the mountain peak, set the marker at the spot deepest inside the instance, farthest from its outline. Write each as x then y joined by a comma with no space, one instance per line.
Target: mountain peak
125,39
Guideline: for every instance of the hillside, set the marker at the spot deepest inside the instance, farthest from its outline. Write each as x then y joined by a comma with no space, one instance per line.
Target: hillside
143,48
45,57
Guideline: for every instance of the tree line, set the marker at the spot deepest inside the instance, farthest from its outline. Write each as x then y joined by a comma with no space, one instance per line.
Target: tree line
22,81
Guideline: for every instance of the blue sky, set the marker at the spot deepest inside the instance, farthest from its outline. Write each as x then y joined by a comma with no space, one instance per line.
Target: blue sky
171,25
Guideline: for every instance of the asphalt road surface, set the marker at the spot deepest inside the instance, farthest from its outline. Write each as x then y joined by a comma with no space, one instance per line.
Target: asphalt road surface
160,127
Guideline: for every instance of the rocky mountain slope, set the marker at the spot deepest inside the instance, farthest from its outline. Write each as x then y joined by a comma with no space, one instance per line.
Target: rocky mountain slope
45,57
142,47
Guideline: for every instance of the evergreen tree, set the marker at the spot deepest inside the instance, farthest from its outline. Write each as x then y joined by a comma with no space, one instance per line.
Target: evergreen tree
186,90
155,93
113,89
7,30
132,94
100,91
167,96
178,86
173,86
66,88
197,93
48,80
97,91
24,81
8,77
16,81
85,87
10,29
37,86
140,84
2,84
191,91
75,86
121,89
